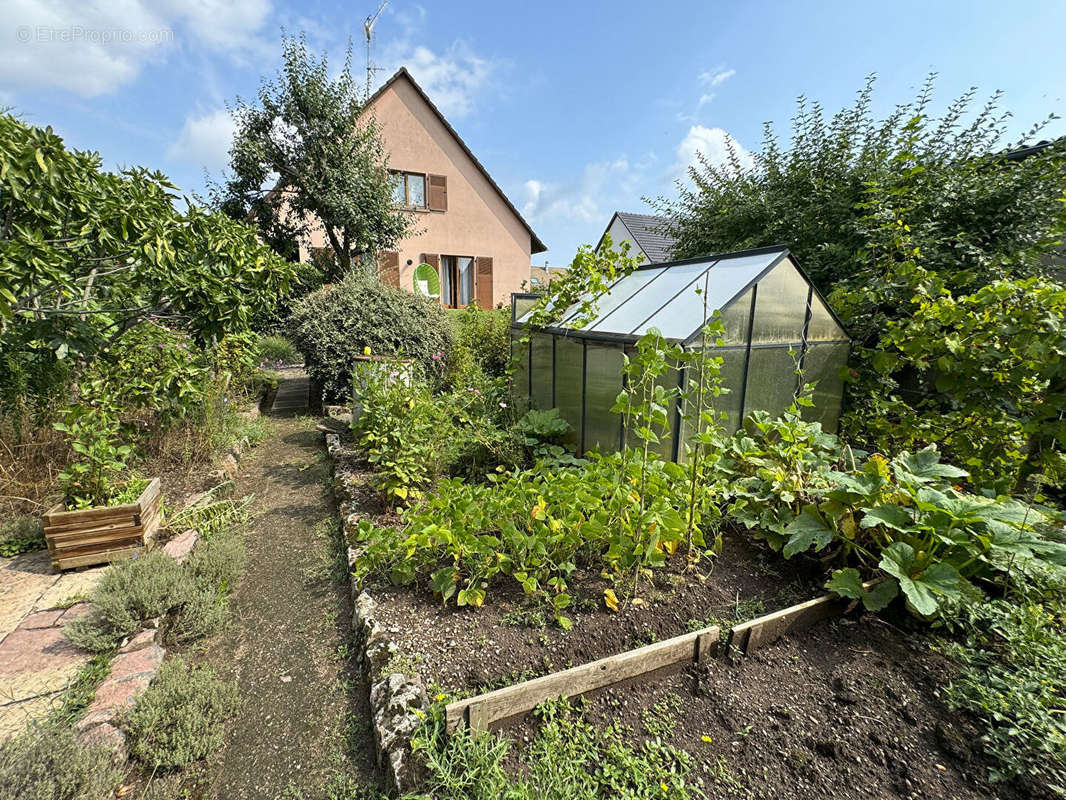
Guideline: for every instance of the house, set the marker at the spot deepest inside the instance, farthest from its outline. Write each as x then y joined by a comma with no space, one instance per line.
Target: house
539,277
645,233
468,241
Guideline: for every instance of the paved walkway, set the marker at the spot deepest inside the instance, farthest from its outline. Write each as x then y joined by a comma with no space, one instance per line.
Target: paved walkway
36,660
294,393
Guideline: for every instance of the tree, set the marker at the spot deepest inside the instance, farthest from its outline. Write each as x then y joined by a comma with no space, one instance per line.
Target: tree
305,158
893,218
87,255
974,208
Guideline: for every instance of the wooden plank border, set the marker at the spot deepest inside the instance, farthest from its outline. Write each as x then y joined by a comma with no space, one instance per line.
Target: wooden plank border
482,711
478,713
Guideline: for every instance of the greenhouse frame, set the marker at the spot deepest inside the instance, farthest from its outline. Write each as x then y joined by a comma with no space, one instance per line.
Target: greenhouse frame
773,316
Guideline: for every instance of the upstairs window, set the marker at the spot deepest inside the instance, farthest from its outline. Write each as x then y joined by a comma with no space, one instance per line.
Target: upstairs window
409,189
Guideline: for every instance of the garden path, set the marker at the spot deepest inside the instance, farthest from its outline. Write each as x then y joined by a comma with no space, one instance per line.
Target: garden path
36,660
302,723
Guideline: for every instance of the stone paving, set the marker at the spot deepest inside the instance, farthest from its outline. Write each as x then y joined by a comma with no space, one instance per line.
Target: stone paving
37,662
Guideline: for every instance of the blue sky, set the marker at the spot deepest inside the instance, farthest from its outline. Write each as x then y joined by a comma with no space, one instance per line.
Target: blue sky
577,109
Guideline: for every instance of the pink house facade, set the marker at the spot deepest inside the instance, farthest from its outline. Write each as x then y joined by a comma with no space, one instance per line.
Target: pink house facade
465,228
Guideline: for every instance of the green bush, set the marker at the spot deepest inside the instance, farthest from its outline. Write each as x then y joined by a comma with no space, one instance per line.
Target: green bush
482,341
276,351
337,323
48,763
179,718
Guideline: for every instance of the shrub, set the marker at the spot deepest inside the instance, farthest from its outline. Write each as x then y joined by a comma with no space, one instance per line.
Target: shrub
482,341
276,350
48,763
179,717
155,585
130,593
334,325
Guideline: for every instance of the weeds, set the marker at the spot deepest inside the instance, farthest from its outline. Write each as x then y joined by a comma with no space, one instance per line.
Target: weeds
179,718
48,763
19,534
155,585
661,718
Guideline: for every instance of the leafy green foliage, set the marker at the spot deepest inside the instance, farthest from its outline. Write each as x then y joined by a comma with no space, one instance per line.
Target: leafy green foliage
48,763
568,758
534,527
589,275
1012,659
482,343
88,254
276,350
333,326
179,718
998,361
543,434
192,594
21,533
900,518
331,168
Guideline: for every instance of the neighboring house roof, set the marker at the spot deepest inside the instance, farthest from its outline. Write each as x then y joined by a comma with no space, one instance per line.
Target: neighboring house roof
538,276
536,245
646,230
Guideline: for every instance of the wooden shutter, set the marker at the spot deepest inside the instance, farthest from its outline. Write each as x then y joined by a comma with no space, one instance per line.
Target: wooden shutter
389,268
438,193
483,282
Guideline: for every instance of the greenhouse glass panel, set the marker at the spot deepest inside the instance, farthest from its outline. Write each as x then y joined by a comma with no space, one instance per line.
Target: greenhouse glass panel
771,380
823,328
603,382
520,378
732,377
626,290
568,367
665,448
630,316
822,364
736,320
541,378
683,315
780,306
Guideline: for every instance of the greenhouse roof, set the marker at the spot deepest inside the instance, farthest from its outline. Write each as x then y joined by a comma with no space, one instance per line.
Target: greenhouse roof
677,297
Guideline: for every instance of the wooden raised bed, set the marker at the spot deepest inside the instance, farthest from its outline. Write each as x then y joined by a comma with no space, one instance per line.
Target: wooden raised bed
106,533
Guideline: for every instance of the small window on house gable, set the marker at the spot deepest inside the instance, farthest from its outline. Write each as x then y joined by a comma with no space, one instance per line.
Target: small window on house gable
409,189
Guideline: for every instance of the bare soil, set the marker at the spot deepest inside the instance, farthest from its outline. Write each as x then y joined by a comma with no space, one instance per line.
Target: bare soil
467,651
846,709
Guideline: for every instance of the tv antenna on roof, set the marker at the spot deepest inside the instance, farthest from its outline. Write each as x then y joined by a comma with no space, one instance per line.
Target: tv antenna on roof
368,29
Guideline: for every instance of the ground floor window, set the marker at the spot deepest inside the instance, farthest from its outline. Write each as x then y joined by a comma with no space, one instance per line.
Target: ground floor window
456,281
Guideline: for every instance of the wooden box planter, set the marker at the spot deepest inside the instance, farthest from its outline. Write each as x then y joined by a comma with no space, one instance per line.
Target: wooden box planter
102,534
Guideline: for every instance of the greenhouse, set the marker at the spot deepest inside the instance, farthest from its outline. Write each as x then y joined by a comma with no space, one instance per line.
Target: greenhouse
773,318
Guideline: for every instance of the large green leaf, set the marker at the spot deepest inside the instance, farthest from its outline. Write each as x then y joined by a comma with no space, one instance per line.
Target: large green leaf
925,466
923,590
889,515
807,530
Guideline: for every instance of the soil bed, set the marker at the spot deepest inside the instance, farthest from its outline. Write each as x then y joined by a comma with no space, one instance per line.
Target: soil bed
466,651
846,709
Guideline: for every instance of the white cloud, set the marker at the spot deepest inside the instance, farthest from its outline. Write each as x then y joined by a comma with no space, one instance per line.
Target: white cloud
717,76
205,140
591,198
96,48
705,99
455,78
713,144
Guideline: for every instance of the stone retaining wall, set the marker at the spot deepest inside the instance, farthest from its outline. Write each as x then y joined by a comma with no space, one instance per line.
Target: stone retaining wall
398,701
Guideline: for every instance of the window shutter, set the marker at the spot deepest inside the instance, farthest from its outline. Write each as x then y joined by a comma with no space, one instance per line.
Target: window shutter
389,268
438,193
483,282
